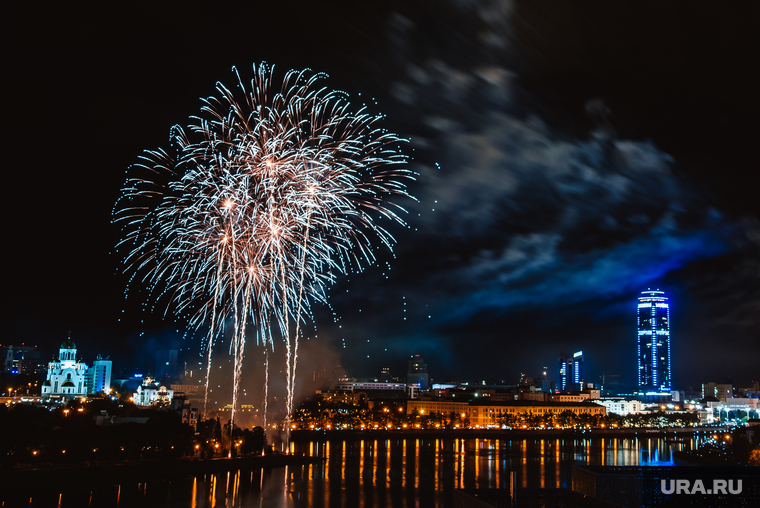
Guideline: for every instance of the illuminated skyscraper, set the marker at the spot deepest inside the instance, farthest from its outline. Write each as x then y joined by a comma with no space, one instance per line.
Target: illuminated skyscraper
571,371
578,370
653,342
564,370
98,377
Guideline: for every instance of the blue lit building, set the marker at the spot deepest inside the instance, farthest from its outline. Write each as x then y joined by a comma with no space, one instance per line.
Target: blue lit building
98,376
571,371
653,343
578,370
564,370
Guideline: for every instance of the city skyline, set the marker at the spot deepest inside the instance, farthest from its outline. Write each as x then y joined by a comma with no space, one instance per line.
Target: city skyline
552,190
570,375
654,374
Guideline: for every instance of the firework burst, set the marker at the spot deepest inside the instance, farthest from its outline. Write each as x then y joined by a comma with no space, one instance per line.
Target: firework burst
265,198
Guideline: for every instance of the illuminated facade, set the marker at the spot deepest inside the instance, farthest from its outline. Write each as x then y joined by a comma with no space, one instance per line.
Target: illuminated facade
66,375
571,371
98,376
150,393
621,407
564,371
486,414
653,343
351,385
578,370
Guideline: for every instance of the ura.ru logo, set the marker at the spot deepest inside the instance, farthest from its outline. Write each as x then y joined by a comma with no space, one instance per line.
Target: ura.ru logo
698,487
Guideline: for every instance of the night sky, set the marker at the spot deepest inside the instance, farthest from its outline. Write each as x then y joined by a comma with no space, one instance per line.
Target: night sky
569,155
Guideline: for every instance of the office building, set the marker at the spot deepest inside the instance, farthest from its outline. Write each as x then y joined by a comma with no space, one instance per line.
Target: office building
99,376
578,370
564,370
571,371
721,392
417,372
653,343
621,407
574,396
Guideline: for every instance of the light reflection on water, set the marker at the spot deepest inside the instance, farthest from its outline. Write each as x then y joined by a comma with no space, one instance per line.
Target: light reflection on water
362,472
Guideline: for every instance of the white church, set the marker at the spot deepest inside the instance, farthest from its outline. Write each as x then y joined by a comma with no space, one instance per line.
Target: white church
66,377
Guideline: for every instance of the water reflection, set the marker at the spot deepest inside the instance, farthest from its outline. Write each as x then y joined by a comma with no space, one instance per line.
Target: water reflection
399,472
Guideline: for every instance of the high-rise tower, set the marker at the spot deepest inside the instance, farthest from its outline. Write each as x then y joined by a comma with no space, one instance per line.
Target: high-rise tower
571,371
565,368
578,370
653,342
417,372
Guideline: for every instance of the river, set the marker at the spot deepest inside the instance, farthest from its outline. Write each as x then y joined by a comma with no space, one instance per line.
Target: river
394,472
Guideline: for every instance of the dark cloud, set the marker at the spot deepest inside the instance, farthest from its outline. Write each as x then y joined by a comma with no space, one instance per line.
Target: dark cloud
518,213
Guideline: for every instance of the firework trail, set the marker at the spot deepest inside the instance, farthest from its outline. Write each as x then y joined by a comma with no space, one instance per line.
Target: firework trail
266,387
261,202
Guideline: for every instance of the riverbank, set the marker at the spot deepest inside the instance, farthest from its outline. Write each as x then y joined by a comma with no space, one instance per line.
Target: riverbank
309,435
140,471
91,474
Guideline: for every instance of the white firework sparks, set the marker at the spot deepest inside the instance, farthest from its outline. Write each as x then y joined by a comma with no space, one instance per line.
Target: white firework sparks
272,193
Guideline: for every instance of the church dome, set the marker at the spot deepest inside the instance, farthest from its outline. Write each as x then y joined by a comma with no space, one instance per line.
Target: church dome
68,344
68,384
